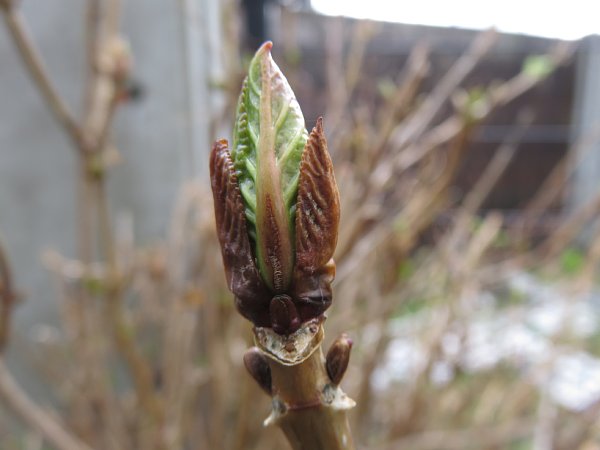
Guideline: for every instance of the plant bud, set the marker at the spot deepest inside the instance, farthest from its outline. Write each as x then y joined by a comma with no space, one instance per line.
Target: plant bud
337,358
277,205
284,316
257,365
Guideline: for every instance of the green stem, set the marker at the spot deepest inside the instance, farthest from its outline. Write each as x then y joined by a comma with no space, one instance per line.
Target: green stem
311,422
308,407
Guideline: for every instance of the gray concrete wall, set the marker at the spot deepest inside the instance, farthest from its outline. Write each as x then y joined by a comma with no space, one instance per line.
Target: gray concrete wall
161,138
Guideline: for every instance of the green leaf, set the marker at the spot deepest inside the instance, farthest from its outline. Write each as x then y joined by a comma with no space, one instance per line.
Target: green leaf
94,285
538,66
572,261
269,137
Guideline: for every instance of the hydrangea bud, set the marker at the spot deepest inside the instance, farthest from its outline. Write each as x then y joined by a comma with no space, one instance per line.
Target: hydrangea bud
276,204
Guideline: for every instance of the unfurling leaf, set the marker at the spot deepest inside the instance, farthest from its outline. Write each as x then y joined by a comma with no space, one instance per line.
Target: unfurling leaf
276,204
268,139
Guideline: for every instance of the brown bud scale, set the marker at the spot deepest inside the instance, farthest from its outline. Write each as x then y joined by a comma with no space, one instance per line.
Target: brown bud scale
318,206
257,365
243,277
337,358
284,316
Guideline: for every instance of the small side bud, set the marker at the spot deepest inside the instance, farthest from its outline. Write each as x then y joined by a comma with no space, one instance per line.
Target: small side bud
257,365
337,358
115,59
284,315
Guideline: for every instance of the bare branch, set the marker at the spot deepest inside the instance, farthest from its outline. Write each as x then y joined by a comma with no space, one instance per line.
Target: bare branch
34,416
7,298
38,72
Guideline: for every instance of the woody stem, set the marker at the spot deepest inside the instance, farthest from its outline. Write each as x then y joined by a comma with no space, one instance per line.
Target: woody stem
308,407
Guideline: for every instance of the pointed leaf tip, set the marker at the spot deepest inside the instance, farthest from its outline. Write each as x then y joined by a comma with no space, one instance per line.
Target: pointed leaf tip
266,47
319,125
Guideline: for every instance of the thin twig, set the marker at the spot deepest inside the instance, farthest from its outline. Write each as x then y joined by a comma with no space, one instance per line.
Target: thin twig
92,21
101,99
498,96
7,298
343,78
34,416
395,109
423,117
415,216
416,69
108,52
384,176
35,66
140,370
486,182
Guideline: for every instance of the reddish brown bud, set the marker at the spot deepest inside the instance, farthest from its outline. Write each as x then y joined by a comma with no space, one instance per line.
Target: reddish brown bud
337,358
257,365
308,293
284,316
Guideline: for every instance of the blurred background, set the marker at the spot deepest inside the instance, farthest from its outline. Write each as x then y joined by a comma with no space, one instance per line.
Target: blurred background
466,144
